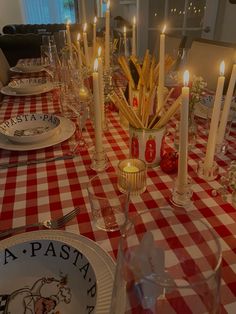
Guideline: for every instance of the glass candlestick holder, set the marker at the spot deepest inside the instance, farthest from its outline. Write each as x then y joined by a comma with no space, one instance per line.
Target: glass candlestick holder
132,176
99,161
182,194
208,173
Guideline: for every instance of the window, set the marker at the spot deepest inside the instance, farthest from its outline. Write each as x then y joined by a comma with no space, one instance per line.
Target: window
49,11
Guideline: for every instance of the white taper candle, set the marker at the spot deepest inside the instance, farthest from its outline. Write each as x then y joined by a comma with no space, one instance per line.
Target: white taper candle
107,38
125,42
134,49
94,35
161,82
79,52
226,108
182,178
211,142
97,111
101,82
86,52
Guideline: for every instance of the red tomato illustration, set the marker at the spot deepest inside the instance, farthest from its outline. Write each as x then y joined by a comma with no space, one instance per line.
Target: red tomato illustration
150,151
135,102
134,146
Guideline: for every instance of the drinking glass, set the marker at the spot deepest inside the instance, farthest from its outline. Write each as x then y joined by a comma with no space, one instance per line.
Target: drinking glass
109,206
50,58
168,261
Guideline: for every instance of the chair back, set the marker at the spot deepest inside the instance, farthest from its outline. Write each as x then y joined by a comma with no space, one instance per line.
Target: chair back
204,60
4,69
18,46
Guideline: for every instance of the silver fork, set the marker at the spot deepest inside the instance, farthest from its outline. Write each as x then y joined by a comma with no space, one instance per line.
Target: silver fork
49,224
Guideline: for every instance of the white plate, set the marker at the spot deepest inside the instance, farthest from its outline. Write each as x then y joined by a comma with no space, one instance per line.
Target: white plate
6,90
67,129
30,128
28,85
101,262
27,69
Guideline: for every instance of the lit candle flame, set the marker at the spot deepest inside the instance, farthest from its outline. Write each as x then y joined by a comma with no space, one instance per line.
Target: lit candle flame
124,29
99,51
95,67
68,23
222,68
186,78
164,29
95,20
134,20
85,27
108,4
78,37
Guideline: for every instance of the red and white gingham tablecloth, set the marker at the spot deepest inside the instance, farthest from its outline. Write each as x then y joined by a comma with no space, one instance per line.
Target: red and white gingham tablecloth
29,194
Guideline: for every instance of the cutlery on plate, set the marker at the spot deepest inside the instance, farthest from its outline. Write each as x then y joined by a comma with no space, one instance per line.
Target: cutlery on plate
36,161
49,223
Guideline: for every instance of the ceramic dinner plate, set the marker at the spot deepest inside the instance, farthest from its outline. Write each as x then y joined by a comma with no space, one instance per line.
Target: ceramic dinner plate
66,130
30,128
28,85
68,273
6,90
27,69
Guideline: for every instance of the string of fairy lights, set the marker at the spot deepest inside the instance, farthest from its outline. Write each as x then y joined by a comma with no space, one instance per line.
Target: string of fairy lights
192,9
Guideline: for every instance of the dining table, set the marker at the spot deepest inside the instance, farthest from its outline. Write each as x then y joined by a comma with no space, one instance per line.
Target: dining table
33,192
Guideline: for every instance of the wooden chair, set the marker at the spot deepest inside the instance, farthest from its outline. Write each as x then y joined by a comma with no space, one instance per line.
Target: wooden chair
172,44
204,60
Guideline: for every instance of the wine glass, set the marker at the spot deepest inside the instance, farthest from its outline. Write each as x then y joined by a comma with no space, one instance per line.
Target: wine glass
168,261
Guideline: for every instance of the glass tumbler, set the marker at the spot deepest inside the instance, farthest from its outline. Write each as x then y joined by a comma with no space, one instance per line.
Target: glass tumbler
168,262
109,206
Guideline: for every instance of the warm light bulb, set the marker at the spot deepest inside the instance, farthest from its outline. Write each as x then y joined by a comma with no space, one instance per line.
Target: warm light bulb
99,51
186,78
164,29
85,27
95,20
78,37
95,67
222,68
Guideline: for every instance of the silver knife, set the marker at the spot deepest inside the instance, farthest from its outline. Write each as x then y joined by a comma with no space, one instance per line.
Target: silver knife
36,161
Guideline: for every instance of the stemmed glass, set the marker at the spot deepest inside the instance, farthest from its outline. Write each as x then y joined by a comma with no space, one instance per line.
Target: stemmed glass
79,105
168,262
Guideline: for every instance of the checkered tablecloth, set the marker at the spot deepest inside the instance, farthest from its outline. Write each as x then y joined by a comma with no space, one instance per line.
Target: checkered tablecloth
29,194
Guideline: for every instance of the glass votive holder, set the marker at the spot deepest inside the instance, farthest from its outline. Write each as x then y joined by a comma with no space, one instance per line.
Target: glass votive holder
132,176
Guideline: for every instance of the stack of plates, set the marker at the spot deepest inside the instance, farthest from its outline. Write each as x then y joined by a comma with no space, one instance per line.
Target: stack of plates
27,87
30,128
34,131
27,68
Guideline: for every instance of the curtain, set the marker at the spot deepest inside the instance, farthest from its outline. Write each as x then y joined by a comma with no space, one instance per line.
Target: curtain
49,11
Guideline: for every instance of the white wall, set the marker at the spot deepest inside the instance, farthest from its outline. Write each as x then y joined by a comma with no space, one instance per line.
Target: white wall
10,12
228,29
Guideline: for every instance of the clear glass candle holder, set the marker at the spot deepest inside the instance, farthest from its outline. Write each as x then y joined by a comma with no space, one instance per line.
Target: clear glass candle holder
132,176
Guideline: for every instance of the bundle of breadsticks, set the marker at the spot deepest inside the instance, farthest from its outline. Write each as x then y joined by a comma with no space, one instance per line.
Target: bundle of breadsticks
144,80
